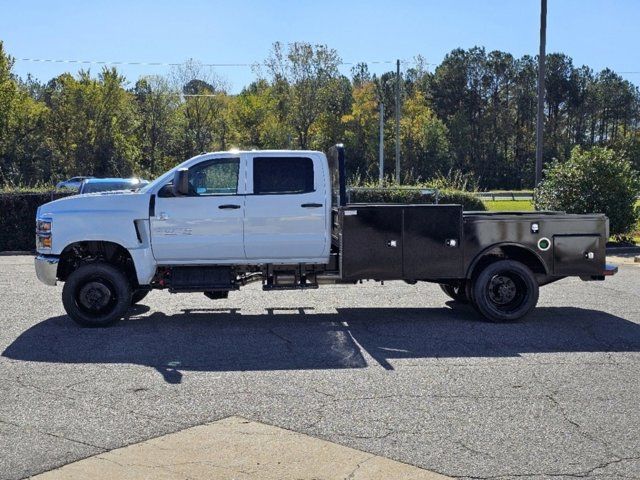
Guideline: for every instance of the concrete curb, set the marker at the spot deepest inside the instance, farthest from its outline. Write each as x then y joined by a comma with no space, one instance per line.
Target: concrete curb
241,449
10,253
618,250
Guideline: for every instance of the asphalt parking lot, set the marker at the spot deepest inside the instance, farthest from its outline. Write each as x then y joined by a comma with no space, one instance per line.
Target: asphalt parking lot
394,370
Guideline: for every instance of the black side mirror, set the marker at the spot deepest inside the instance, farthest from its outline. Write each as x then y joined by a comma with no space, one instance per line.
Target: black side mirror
181,182
166,191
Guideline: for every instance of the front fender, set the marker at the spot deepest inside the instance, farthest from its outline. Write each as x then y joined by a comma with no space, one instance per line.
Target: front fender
101,226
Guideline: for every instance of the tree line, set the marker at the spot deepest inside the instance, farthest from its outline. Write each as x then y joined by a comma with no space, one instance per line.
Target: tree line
474,115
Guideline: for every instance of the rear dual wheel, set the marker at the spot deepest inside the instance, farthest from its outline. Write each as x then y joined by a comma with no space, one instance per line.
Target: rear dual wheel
504,291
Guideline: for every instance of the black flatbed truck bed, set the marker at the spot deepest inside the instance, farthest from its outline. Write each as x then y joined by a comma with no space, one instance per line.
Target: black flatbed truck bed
510,253
441,242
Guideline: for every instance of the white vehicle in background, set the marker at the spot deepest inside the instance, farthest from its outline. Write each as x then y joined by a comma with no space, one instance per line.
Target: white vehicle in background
72,184
93,185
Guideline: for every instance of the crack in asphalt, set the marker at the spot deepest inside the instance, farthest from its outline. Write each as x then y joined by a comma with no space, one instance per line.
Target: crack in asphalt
288,342
58,436
473,450
575,424
580,474
352,474
58,394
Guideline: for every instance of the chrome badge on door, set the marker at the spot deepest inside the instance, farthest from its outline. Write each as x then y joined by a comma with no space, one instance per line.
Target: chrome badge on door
174,231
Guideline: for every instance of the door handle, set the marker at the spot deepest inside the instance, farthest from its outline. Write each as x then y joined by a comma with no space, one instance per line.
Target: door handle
163,216
229,206
311,205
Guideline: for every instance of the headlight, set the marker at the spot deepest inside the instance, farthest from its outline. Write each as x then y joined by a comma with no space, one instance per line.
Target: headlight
43,225
43,234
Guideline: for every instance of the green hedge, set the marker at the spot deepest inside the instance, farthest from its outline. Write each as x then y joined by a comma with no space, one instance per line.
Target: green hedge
593,181
18,218
415,196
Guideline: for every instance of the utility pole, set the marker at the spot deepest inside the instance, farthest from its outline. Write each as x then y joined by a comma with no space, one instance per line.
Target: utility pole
381,154
541,90
398,121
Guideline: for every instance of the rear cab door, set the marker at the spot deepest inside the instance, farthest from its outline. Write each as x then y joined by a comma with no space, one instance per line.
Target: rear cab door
287,208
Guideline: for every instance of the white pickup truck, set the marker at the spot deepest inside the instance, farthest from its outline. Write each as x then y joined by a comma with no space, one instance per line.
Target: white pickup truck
221,220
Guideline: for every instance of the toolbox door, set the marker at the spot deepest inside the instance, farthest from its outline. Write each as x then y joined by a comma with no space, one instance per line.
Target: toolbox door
372,242
578,255
432,242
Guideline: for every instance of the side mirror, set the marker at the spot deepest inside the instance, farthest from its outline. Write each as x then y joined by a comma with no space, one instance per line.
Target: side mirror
166,191
181,182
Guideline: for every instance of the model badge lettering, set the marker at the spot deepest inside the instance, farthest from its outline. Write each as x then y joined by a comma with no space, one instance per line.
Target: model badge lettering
176,231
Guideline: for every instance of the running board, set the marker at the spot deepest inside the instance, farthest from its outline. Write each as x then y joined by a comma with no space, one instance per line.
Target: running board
201,279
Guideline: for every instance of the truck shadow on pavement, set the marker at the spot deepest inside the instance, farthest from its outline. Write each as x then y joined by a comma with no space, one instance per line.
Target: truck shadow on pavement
283,339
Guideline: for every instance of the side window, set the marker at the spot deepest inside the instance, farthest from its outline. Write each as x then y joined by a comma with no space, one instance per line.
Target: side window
282,175
214,177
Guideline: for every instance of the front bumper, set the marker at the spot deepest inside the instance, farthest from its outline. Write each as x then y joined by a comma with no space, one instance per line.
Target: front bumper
47,268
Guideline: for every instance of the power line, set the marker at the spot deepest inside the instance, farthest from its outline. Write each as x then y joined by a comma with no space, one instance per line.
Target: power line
405,63
172,64
226,65
152,64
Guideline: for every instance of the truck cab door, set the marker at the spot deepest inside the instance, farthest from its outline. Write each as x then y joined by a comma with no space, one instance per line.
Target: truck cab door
287,210
205,226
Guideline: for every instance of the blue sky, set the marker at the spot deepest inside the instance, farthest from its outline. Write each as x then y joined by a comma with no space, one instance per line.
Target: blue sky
599,33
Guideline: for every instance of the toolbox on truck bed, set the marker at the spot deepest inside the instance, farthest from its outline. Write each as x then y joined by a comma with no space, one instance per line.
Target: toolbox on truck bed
411,242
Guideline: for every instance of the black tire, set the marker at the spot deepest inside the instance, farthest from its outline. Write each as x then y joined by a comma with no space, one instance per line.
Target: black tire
96,295
504,291
138,295
456,292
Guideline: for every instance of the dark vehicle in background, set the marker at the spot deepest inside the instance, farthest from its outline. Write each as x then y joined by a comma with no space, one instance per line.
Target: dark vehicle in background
93,185
73,183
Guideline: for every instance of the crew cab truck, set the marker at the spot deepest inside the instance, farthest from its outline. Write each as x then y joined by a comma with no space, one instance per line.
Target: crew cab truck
222,220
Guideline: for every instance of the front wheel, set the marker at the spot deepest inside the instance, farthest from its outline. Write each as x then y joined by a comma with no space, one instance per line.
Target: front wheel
96,295
505,291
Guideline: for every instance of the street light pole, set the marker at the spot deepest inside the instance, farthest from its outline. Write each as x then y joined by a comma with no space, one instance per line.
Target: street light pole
398,122
381,149
541,91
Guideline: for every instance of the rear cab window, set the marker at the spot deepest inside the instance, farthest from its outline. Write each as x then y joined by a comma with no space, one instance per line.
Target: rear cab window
282,175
